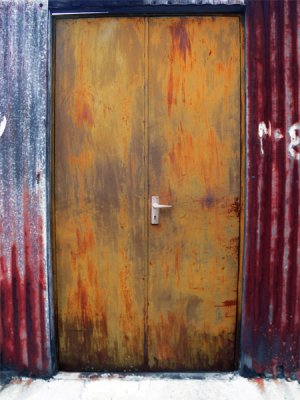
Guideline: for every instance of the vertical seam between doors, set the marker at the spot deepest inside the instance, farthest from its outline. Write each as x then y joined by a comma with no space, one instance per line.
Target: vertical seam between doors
146,187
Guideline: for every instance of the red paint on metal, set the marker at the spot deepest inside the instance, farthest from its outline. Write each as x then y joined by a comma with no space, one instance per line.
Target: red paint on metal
271,309
18,327
22,294
229,303
181,46
25,328
180,39
6,326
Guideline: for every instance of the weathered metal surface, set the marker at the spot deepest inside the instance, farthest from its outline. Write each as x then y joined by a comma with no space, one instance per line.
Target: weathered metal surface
194,164
99,193
112,98
24,307
271,306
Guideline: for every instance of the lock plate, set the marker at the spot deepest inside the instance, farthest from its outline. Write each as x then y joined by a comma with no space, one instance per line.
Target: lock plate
155,207
154,211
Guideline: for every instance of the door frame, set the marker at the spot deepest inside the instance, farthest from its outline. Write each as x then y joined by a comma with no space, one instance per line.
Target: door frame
101,8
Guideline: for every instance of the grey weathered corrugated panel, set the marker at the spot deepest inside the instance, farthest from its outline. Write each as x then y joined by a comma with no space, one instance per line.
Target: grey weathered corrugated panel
24,328
271,308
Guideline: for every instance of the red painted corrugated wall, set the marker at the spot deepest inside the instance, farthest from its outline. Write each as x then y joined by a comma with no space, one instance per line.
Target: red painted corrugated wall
271,306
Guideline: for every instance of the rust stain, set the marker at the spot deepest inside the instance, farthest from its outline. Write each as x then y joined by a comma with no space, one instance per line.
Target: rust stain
260,383
235,207
171,336
172,341
85,241
181,43
83,114
99,165
197,156
132,333
82,160
180,48
228,303
167,271
177,266
126,294
233,245
183,152
170,90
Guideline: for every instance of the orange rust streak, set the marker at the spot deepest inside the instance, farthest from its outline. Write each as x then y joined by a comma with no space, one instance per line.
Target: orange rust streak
176,265
83,114
170,91
260,383
194,142
99,192
181,47
126,296
181,43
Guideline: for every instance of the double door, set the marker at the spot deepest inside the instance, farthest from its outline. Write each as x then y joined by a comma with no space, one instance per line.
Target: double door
147,107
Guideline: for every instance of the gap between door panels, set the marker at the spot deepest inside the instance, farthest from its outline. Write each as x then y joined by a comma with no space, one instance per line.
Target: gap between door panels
146,187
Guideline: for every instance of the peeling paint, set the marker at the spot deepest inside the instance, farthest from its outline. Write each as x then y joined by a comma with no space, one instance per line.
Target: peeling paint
277,134
2,125
294,141
263,130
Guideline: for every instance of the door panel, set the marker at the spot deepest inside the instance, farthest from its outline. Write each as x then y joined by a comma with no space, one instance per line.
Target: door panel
147,106
194,164
99,192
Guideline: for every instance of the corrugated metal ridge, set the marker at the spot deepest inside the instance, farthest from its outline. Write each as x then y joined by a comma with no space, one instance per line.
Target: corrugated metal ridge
271,309
24,328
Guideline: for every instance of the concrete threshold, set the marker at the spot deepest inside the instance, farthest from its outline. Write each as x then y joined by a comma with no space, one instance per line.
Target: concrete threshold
164,386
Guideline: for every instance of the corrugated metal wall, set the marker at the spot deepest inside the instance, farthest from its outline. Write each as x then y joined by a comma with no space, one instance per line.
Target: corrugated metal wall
271,309
271,306
24,323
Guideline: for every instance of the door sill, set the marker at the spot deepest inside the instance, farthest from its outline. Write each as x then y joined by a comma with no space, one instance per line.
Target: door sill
133,376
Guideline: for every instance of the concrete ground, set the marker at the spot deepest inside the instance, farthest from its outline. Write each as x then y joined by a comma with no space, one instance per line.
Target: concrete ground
74,386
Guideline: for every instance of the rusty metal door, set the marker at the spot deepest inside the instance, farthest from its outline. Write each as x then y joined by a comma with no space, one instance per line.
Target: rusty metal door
143,107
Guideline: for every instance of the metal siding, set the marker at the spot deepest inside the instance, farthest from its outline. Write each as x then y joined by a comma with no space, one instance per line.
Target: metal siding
271,308
24,327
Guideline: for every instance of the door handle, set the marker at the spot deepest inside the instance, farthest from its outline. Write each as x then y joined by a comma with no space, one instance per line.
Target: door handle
155,207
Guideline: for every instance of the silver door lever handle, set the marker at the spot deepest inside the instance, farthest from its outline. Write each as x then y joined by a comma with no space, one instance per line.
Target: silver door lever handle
155,207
